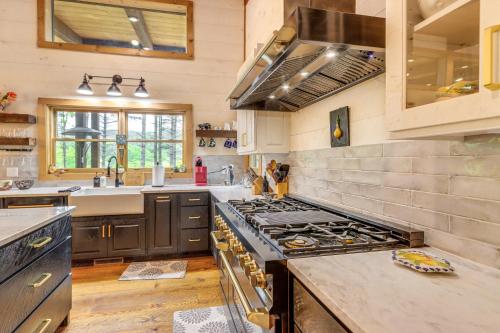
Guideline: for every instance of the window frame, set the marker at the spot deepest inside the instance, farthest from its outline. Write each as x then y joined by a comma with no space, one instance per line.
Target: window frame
47,109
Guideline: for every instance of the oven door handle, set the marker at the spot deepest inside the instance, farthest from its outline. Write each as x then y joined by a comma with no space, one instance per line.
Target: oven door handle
257,316
223,246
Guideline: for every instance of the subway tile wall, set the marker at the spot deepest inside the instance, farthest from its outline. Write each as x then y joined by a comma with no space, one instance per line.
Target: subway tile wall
449,189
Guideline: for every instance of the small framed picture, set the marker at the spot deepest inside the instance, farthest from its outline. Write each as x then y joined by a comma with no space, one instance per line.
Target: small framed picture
339,127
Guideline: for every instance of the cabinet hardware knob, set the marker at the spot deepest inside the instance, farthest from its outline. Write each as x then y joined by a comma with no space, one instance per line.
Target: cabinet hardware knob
41,242
194,199
195,217
103,231
160,198
41,281
43,326
194,240
109,230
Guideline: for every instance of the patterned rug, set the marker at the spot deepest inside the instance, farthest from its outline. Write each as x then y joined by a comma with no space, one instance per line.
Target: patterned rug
216,319
155,270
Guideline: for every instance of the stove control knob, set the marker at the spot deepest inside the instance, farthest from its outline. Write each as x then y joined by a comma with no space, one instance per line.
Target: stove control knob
237,248
258,279
228,234
250,267
244,258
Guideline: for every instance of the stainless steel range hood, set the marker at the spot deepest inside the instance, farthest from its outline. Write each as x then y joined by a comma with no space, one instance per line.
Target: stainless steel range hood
316,54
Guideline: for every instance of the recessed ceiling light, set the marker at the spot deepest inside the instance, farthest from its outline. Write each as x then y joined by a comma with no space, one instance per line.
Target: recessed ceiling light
272,96
331,54
459,79
134,42
133,19
429,84
304,73
285,86
464,67
411,60
407,74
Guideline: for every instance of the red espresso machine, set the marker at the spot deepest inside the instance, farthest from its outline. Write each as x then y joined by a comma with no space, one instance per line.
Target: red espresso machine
200,172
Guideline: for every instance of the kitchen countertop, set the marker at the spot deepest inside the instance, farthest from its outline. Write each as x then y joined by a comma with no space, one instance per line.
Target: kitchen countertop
16,223
371,294
222,193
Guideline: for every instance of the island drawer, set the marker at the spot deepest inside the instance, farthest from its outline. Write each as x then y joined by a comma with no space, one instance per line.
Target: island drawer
194,240
194,217
194,199
24,291
34,202
51,313
18,254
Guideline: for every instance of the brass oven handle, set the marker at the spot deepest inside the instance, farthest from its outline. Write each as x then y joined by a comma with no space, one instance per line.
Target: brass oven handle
30,206
194,240
488,58
257,316
41,242
109,230
41,281
223,246
103,231
195,217
43,326
194,199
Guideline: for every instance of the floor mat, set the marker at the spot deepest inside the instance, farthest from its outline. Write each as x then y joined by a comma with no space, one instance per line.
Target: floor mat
155,270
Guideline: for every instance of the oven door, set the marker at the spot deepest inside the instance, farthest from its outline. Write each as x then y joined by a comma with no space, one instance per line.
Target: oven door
249,312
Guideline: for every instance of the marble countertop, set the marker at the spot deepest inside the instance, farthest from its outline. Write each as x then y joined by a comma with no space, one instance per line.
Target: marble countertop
371,294
222,193
16,223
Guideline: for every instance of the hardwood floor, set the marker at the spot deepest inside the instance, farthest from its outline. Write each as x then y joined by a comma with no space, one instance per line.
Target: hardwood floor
102,304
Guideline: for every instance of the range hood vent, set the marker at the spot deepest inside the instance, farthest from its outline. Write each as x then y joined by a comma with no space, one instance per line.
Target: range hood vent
316,54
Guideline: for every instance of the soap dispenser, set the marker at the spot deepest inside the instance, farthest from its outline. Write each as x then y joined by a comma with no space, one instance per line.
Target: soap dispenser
97,181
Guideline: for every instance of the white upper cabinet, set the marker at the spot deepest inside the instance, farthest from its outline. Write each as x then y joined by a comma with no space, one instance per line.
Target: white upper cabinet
442,65
263,132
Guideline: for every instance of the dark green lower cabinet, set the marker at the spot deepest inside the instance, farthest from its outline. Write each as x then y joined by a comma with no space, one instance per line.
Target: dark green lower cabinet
109,236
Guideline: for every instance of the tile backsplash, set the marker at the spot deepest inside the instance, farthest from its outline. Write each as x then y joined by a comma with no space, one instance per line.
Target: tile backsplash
449,189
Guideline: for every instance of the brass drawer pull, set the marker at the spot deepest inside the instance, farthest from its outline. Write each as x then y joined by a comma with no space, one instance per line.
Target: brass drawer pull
103,231
194,199
41,242
41,281
109,230
43,326
161,198
194,240
29,206
195,217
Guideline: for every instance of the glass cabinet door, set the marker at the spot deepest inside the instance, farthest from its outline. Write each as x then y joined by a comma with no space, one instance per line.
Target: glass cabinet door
442,50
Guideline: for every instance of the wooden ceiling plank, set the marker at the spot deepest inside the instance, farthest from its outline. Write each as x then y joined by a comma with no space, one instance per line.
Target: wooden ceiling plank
140,28
64,32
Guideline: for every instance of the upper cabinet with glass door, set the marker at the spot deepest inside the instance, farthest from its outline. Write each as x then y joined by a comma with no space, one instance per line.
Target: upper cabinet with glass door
151,28
441,68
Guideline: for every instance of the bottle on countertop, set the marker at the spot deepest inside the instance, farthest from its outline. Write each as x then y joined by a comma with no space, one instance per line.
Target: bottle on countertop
265,185
97,181
103,180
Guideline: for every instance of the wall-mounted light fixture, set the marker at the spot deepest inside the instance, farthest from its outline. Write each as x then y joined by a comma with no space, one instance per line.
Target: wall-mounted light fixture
114,89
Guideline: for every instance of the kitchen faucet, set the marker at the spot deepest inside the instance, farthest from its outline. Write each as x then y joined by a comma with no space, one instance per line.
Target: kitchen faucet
117,180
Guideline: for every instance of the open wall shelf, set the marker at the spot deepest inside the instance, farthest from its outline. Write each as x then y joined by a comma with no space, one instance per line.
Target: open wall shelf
216,134
19,118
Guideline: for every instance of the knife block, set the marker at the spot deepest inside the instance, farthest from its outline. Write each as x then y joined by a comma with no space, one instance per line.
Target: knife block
281,189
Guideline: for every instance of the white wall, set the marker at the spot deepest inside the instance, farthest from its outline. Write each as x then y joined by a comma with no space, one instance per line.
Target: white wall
310,127
204,82
263,17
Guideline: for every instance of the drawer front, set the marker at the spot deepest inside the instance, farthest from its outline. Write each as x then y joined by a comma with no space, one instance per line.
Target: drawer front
194,217
34,202
51,313
24,291
194,240
17,255
194,199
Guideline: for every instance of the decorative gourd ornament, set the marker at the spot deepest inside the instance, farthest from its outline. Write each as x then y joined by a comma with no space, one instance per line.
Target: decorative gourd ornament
337,133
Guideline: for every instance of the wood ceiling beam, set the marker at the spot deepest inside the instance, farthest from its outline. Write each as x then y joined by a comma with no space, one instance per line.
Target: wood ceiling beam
64,32
140,28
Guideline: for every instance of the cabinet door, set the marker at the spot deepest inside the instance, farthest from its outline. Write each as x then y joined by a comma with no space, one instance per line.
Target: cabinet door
272,132
89,239
126,237
162,223
246,131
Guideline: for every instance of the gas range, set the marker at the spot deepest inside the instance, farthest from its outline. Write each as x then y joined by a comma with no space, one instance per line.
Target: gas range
255,238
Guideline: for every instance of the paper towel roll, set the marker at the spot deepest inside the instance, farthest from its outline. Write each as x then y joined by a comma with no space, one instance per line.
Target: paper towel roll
158,178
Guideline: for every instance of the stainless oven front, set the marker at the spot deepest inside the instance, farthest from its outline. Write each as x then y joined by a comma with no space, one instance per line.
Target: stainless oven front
241,281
